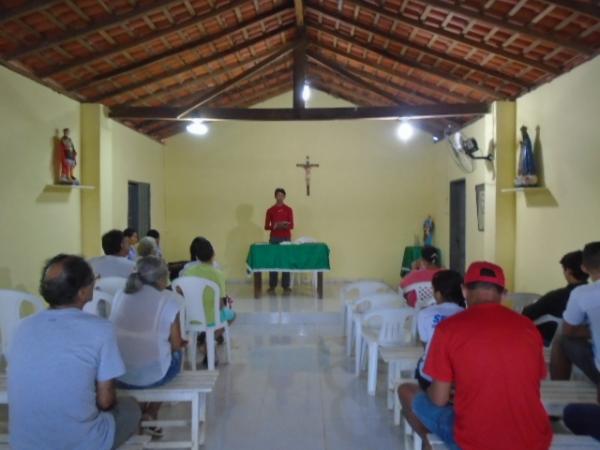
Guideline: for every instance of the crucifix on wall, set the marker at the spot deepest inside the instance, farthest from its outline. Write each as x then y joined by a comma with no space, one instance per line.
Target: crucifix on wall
307,166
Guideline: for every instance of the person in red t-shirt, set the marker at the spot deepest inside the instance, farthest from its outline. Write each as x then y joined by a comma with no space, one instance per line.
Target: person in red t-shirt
279,220
493,358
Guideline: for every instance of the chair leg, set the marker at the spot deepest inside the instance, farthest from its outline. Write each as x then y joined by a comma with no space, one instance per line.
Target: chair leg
228,344
397,408
372,377
210,348
192,349
357,351
363,356
417,441
348,332
390,385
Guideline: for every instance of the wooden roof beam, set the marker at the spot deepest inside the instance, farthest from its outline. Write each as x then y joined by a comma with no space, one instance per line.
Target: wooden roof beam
102,78
415,65
424,49
97,56
299,8
137,11
522,29
291,114
454,37
299,69
196,64
385,69
29,7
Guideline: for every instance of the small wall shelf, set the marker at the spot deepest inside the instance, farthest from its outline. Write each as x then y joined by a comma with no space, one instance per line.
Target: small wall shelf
524,189
68,187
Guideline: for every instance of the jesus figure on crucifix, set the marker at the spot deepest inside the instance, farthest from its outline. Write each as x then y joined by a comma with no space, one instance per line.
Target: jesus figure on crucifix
307,166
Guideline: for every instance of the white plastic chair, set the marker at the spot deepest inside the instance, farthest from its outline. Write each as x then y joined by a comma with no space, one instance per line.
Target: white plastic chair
100,304
193,289
519,300
349,295
361,308
112,285
11,303
424,292
386,328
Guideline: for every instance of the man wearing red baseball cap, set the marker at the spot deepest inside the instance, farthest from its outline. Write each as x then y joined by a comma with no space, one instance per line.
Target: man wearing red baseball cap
493,358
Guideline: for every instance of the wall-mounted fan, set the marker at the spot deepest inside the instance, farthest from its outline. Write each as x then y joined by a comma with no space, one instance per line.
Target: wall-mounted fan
462,150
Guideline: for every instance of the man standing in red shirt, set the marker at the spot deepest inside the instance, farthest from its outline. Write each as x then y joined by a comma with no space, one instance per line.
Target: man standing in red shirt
279,220
493,358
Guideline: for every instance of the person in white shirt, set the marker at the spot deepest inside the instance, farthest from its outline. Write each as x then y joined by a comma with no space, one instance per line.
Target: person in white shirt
133,237
579,343
114,263
146,317
449,300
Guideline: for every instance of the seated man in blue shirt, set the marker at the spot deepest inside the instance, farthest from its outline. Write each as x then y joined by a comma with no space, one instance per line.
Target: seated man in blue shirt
61,369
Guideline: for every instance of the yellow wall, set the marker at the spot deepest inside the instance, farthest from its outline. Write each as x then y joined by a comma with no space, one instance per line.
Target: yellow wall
38,222
567,215
368,197
35,222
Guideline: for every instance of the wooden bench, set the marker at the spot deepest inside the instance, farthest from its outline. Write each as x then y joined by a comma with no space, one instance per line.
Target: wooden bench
557,394
188,386
192,387
136,442
399,359
559,442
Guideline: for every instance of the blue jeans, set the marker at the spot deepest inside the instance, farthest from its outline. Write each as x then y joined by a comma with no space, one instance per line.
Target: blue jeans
437,419
583,418
172,371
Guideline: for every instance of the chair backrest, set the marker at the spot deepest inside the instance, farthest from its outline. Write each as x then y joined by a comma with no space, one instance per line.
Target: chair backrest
360,289
548,318
395,325
11,314
100,304
519,300
372,302
305,240
111,284
192,289
423,292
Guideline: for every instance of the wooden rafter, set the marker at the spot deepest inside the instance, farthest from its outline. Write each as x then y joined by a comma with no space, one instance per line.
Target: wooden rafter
161,57
291,114
436,31
442,92
29,7
493,21
414,64
423,49
192,66
218,90
588,9
158,34
299,8
137,11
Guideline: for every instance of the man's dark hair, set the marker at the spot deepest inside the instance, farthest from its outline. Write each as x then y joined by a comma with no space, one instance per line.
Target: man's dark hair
485,285
448,284
572,261
112,241
201,249
282,190
62,289
591,256
153,233
128,232
431,254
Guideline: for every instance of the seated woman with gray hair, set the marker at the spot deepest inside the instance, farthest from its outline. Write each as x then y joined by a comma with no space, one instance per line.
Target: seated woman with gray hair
146,318
147,247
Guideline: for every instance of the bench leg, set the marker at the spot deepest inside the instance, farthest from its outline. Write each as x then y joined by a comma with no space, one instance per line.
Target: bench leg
397,409
202,418
192,350
391,378
372,373
195,425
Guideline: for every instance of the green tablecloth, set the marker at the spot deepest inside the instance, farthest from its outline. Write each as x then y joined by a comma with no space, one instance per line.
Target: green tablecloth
411,254
288,258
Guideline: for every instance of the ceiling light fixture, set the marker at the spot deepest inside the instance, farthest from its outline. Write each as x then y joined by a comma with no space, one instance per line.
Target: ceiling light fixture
405,130
197,127
306,93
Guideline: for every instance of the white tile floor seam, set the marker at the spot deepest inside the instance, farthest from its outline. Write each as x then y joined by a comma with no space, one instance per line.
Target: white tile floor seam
290,385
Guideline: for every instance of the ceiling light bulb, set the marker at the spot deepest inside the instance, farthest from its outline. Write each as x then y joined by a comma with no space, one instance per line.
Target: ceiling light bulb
404,131
197,127
306,92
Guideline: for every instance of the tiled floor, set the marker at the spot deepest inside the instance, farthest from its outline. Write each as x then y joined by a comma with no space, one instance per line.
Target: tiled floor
290,385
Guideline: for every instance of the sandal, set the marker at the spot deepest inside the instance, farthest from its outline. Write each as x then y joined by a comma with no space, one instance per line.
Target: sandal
151,430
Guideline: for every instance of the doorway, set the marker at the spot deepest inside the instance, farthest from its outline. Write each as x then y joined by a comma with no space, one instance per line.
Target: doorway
138,211
457,226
